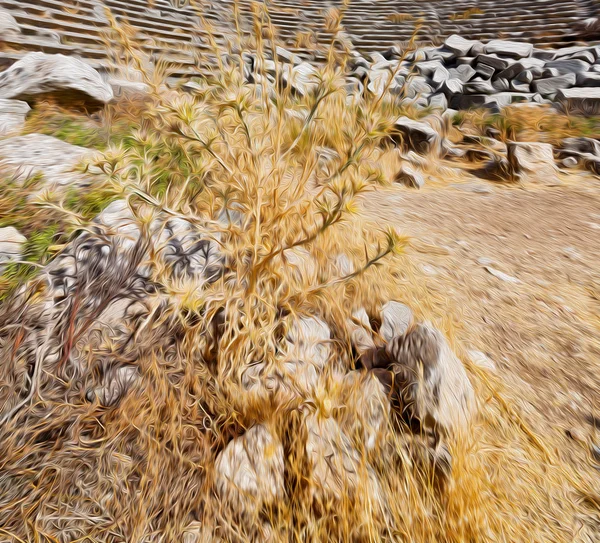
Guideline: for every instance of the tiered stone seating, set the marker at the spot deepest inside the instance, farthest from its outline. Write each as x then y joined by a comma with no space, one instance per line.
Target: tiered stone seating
78,26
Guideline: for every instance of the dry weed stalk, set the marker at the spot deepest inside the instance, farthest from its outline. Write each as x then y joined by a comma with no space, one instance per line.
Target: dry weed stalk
243,164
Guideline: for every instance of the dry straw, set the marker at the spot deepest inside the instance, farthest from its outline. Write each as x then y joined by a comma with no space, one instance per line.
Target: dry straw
143,470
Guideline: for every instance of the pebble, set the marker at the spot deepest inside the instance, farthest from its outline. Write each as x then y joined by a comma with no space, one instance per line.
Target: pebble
576,434
571,253
429,270
570,162
482,360
477,188
501,275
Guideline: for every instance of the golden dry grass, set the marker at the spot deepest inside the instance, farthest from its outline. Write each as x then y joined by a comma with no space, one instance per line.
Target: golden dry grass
467,14
530,123
144,469
399,17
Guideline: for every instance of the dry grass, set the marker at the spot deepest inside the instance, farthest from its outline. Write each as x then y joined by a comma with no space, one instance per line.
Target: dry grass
467,14
530,123
399,17
143,470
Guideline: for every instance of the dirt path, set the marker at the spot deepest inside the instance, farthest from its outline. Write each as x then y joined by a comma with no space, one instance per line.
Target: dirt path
540,326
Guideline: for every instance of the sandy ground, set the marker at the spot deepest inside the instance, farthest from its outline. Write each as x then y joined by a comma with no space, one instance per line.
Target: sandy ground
540,325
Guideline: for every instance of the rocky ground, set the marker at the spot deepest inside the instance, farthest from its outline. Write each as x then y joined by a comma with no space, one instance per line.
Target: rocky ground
516,268
502,210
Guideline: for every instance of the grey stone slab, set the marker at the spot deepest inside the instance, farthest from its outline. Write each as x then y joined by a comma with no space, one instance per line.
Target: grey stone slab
553,84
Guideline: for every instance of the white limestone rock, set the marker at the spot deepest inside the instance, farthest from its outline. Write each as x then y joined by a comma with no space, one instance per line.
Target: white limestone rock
54,159
40,73
396,318
430,381
249,471
11,243
533,162
12,116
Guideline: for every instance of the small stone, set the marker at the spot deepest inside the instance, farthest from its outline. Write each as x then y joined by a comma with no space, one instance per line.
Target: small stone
501,85
476,155
11,243
581,100
393,53
578,435
479,87
395,320
118,219
115,385
482,360
284,55
509,48
438,101
550,72
303,78
249,471
197,532
501,275
364,390
410,177
570,162
590,79
484,70
8,24
12,115
439,76
452,87
333,459
428,68
125,87
553,84
533,161
417,136
360,331
519,86
569,66
580,146
430,382
417,86
459,45
54,159
463,73
518,67
494,61
544,54
308,341
379,79
469,61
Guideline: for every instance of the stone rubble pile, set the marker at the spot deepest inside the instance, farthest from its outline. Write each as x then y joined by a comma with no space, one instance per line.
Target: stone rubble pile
461,74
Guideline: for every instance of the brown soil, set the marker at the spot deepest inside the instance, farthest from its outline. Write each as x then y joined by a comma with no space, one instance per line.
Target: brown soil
542,332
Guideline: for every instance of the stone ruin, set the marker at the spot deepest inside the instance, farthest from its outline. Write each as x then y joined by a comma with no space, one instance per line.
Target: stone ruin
77,27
